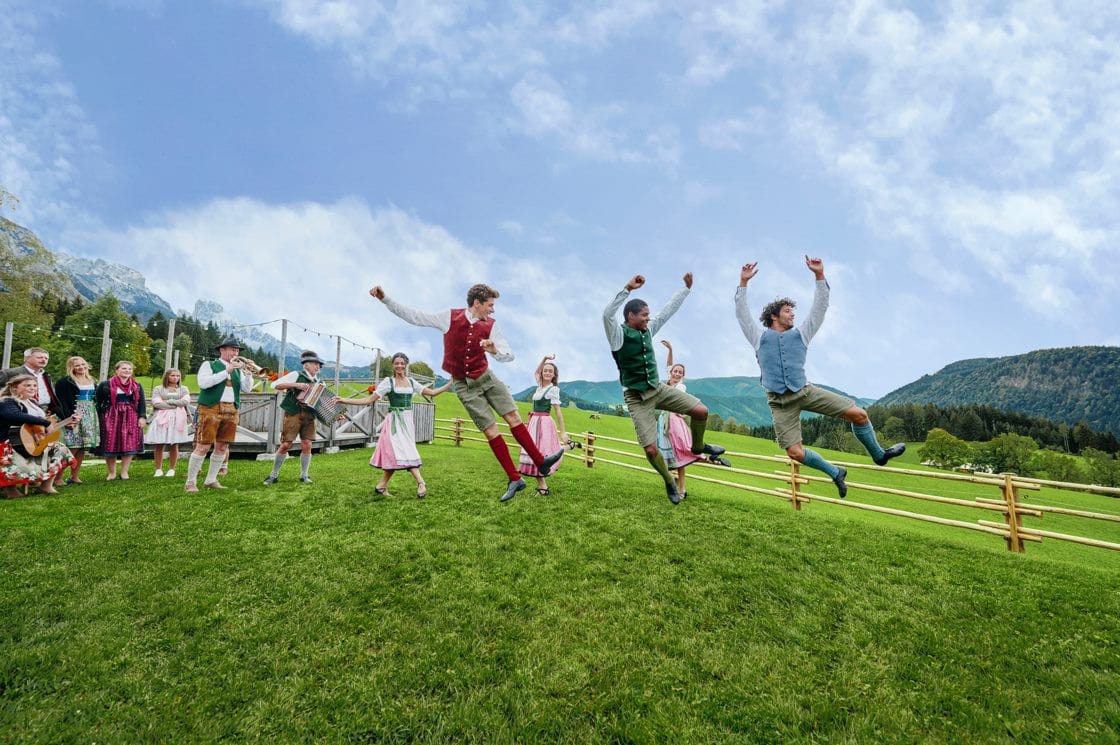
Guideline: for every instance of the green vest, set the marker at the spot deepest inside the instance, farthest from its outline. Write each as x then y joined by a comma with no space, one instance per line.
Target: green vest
399,401
542,405
637,365
290,403
213,394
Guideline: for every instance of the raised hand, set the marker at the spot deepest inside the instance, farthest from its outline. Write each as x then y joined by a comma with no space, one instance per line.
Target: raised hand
637,281
377,292
816,266
667,343
688,280
747,273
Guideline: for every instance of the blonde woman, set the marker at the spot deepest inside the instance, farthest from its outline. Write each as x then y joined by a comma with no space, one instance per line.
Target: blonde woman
74,394
120,402
17,466
171,403
548,435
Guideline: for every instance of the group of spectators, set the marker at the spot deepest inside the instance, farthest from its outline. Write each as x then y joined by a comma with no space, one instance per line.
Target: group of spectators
47,427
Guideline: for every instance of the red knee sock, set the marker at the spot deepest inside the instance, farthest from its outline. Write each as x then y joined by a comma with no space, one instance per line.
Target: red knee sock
501,452
521,434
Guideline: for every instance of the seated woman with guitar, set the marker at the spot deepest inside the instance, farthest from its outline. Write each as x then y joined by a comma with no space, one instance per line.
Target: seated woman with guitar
30,451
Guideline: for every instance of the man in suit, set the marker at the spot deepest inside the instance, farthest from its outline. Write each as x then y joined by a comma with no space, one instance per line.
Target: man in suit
35,362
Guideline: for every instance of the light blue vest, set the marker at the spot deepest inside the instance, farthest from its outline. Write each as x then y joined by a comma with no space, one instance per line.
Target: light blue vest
781,357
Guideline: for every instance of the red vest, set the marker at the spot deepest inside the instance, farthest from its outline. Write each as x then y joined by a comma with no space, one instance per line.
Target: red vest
463,355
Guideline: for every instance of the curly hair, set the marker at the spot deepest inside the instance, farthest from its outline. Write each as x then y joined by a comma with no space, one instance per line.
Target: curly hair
773,308
481,293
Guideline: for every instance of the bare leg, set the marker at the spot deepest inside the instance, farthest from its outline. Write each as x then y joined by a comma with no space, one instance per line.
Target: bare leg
111,464
79,456
126,461
157,455
174,458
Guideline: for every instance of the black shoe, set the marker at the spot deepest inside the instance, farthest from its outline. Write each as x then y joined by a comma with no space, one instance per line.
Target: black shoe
512,489
841,485
672,493
892,452
719,461
545,468
710,449
271,480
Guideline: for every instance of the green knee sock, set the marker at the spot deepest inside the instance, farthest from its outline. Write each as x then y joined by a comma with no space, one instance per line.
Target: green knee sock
658,462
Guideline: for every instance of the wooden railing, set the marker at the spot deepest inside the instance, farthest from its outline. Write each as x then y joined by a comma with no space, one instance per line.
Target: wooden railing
1002,514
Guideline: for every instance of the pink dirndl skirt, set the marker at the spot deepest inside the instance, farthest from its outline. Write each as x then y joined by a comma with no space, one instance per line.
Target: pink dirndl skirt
674,439
396,443
542,430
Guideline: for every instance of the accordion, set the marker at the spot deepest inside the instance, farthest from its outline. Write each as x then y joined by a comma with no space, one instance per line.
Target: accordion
318,399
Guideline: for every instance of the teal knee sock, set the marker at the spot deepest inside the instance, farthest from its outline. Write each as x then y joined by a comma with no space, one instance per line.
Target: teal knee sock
865,433
658,462
813,459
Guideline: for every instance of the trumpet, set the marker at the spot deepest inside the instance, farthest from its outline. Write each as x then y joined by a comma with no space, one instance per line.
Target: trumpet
246,364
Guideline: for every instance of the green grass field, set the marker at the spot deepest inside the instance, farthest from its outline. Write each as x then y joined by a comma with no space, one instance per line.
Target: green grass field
132,612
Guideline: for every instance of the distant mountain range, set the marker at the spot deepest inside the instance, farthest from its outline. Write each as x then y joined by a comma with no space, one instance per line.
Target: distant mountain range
1070,385
89,278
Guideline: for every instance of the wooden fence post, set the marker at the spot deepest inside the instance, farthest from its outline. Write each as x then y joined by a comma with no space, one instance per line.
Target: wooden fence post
589,450
1010,496
458,431
794,482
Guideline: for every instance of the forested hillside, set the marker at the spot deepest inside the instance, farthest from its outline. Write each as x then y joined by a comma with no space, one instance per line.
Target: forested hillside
1070,385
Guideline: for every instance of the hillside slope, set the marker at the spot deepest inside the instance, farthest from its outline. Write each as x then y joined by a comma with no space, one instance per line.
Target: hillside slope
1068,385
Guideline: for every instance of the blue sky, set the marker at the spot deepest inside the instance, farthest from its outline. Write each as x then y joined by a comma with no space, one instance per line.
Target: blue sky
956,165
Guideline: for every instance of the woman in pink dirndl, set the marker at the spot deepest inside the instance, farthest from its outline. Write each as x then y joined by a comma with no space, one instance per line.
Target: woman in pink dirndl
674,438
120,403
546,435
396,440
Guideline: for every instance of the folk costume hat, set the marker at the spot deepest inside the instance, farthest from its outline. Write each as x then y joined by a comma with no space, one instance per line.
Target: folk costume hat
229,342
308,356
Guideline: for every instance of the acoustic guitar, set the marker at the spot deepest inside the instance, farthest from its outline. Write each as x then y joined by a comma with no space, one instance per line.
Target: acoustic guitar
35,438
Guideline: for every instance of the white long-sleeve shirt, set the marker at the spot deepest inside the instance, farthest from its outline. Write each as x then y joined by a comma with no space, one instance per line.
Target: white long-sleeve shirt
442,321
207,378
753,330
614,329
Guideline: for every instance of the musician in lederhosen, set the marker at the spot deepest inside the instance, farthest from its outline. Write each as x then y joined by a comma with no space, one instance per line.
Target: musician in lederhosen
220,385
299,419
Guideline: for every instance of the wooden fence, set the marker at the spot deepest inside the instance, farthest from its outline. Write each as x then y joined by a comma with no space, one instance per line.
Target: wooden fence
1001,514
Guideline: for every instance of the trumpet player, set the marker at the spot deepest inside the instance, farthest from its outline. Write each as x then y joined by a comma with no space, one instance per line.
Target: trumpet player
221,383
299,419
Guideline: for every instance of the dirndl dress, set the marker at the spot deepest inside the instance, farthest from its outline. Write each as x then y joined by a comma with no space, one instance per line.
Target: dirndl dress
674,437
87,434
396,440
169,426
120,425
17,467
542,429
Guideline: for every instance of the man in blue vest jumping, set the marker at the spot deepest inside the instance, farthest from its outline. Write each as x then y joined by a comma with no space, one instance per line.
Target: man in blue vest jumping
780,349
632,347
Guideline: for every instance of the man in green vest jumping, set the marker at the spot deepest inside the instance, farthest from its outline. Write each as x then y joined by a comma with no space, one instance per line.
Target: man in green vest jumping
221,383
632,346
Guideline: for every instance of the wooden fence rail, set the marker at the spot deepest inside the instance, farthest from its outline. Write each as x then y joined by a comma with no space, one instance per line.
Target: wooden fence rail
1009,506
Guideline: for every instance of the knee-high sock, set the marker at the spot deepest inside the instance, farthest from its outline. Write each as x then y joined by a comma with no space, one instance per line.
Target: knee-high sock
277,463
813,459
501,452
657,460
521,434
215,466
865,433
697,427
304,464
194,465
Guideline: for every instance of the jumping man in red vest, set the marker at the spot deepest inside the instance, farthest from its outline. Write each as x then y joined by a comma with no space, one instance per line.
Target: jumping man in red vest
468,334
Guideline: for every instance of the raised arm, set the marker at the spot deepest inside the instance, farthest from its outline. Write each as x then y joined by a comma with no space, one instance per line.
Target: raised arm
742,311
441,321
671,307
820,300
610,313
669,346
540,368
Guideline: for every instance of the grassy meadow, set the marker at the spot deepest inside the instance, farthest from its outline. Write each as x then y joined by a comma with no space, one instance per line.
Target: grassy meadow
133,612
